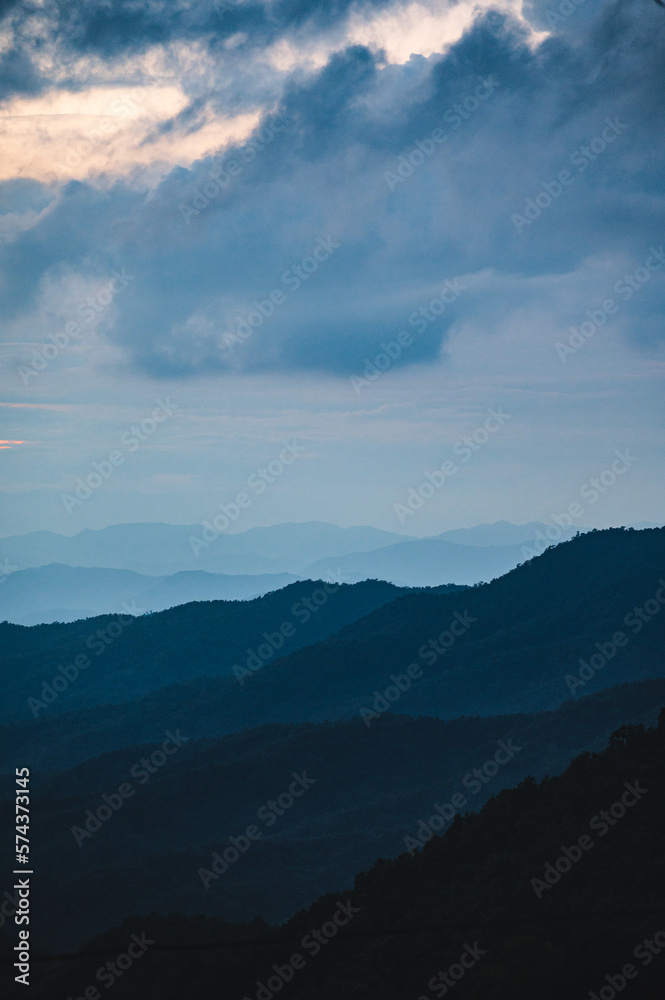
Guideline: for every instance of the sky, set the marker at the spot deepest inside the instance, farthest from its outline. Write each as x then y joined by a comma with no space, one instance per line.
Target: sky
415,249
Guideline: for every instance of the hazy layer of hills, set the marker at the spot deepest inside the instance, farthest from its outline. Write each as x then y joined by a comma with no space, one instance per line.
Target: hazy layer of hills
525,633
167,548
424,563
50,577
66,593
58,593
391,700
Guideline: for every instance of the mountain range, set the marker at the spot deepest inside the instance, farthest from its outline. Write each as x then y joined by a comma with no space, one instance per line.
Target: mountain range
109,659
516,644
363,794
542,893
48,577
342,723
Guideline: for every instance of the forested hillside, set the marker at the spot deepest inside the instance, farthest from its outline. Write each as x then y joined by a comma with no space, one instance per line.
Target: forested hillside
553,890
115,658
368,792
583,616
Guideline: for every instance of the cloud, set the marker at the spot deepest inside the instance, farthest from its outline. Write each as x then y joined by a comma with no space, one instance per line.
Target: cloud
106,132
347,163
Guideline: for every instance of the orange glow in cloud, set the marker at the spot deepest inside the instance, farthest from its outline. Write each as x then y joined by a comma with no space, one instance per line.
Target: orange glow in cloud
10,444
63,135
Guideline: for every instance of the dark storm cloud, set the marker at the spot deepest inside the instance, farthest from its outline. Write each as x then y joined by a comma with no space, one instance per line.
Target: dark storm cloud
325,112
112,26
340,169
112,29
72,237
6,6
18,74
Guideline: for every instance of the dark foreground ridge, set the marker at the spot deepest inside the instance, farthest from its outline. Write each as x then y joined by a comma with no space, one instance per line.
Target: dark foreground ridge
552,890
172,835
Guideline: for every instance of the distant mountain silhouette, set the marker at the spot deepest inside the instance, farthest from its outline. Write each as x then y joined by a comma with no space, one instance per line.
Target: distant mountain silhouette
502,533
164,549
58,593
161,549
425,562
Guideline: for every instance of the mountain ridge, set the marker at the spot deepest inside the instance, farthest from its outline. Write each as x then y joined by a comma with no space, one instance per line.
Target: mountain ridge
366,793
532,629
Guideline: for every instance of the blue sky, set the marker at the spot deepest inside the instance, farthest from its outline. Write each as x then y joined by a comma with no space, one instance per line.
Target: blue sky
357,226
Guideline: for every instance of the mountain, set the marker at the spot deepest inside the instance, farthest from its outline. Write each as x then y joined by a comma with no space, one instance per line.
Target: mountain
525,642
162,549
553,889
58,593
309,549
116,658
426,562
358,794
196,585
506,533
